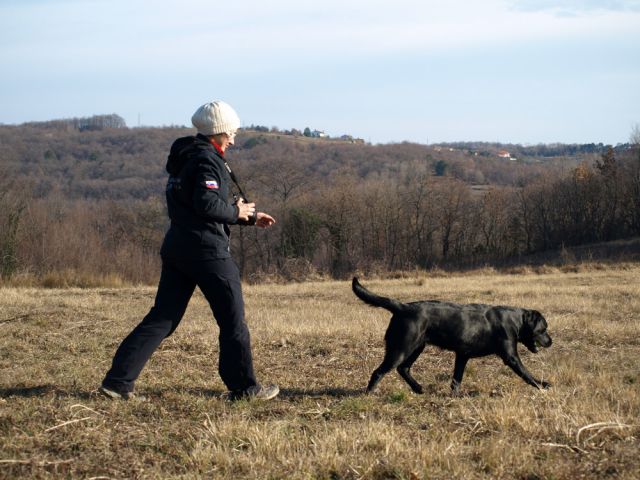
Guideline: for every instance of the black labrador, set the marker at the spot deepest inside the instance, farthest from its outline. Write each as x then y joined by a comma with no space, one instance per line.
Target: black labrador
471,331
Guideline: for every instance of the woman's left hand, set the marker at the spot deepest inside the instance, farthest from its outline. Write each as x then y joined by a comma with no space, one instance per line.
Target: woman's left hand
264,220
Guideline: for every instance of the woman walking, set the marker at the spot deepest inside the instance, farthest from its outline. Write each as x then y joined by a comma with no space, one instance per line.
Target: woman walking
196,252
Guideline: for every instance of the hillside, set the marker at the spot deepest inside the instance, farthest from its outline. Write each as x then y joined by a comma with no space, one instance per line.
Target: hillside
120,163
83,203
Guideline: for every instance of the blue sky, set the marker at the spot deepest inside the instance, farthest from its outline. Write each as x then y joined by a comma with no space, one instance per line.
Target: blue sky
513,71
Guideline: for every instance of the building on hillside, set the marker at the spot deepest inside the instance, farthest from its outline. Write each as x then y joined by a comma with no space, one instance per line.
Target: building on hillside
505,154
351,139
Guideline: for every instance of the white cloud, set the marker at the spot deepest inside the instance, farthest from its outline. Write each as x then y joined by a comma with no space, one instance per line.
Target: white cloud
576,7
242,33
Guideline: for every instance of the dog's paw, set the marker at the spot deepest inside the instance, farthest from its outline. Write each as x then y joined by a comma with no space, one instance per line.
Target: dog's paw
418,389
457,393
455,388
544,385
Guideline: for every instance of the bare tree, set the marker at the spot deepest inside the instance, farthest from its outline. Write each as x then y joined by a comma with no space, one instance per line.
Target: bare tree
421,216
634,138
453,197
494,222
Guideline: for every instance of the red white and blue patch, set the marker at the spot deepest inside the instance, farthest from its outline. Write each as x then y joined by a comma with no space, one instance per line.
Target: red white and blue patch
211,184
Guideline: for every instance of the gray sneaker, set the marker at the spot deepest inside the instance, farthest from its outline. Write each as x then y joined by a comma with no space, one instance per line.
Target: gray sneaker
117,395
258,392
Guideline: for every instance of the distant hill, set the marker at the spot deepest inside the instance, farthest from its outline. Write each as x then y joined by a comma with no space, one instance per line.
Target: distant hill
99,157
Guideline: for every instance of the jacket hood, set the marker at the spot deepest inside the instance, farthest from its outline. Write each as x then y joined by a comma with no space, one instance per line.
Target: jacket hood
179,153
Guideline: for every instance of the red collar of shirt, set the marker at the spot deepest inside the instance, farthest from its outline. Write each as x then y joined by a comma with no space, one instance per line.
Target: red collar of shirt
217,147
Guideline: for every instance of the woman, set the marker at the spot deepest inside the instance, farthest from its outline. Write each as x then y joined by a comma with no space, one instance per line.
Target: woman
196,252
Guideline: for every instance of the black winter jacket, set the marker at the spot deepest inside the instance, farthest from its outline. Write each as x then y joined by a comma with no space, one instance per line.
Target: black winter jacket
197,194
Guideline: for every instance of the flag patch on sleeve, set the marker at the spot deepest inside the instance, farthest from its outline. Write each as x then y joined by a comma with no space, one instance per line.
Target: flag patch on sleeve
211,184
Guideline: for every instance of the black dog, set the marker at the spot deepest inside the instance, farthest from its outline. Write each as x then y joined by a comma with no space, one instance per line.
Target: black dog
471,331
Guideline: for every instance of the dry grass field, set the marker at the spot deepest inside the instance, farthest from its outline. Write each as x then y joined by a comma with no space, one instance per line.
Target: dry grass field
320,344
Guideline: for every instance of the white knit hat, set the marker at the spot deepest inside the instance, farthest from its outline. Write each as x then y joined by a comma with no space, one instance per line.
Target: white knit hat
215,117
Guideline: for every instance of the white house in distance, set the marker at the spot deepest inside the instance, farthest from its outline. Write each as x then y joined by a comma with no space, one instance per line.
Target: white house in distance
506,155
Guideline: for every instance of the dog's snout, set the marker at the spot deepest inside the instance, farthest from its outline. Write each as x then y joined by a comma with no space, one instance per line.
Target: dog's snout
545,340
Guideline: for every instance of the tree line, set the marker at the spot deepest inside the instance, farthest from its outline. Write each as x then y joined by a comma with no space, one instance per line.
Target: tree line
94,122
423,221
543,150
373,209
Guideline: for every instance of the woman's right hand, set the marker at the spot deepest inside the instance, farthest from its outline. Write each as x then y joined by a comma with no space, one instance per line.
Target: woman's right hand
245,210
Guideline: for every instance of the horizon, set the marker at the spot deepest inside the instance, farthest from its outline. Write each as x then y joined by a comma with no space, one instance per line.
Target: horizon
281,131
506,71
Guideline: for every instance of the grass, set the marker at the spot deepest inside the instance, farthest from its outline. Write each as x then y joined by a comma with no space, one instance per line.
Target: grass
320,344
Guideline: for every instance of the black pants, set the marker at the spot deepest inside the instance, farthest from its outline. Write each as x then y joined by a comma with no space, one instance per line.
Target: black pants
219,281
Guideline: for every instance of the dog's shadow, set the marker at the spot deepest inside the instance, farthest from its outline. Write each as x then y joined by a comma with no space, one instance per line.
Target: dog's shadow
334,392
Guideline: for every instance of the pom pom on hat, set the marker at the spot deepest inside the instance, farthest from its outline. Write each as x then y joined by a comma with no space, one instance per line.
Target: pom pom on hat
215,117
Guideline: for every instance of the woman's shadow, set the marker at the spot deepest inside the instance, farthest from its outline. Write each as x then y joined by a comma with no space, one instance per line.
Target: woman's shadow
291,393
285,393
42,391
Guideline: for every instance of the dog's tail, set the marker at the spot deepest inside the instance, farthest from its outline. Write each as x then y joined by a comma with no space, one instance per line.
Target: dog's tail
377,301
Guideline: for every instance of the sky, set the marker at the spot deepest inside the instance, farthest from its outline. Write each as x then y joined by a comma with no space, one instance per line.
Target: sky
426,71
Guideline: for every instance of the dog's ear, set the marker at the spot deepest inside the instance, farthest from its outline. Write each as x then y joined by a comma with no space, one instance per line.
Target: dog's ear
529,318
532,318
